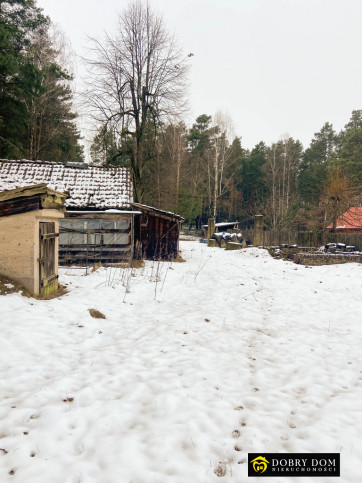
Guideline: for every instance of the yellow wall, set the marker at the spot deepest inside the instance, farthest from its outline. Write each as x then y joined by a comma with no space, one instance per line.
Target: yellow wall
19,246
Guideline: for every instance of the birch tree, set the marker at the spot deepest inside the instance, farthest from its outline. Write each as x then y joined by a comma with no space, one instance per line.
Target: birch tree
222,164
281,169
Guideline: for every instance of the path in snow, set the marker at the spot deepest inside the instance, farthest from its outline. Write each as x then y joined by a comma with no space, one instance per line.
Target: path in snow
229,353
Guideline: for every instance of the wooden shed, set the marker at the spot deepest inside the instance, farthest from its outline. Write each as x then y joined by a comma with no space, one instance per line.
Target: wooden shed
101,224
98,223
29,230
156,233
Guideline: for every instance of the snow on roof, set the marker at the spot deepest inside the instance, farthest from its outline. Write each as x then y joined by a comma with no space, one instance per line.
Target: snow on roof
226,223
350,220
157,211
88,186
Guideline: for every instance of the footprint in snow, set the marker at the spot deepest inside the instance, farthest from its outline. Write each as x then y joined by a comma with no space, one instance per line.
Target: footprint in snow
220,470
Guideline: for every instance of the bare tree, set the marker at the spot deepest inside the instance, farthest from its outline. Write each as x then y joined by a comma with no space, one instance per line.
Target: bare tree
281,168
221,162
336,196
174,153
137,79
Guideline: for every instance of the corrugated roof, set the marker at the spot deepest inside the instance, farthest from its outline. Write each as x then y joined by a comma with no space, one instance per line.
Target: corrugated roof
88,186
350,220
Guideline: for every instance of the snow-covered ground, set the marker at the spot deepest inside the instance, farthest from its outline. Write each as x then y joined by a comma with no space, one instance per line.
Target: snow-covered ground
197,363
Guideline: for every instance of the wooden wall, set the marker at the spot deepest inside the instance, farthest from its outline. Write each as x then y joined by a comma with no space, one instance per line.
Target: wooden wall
156,237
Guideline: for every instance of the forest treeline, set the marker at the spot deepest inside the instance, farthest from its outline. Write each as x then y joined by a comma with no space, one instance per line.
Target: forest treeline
37,120
136,98
204,171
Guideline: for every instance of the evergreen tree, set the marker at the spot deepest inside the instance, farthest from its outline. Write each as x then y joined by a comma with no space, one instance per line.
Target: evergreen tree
316,161
350,151
104,149
36,117
253,185
52,133
19,19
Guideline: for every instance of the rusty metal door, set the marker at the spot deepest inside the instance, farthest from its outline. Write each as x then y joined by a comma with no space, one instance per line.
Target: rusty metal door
48,279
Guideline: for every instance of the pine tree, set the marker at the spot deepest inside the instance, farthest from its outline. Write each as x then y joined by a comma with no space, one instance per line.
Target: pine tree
316,161
350,152
18,21
36,116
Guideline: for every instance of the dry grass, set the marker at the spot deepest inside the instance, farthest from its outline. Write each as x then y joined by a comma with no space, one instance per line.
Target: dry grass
96,314
137,263
179,258
18,287
96,266
61,290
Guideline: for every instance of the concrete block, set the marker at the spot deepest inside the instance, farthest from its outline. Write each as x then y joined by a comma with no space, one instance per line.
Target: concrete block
212,243
233,246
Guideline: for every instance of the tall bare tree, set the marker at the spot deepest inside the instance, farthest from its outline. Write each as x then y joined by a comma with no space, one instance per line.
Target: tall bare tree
224,161
281,169
137,79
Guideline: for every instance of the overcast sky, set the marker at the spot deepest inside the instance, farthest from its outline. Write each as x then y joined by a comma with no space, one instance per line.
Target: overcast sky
275,66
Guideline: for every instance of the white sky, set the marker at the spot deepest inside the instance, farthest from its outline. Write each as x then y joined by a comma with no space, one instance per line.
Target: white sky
275,66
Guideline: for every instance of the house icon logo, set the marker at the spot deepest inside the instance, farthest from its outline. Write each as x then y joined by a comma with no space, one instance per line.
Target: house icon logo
260,464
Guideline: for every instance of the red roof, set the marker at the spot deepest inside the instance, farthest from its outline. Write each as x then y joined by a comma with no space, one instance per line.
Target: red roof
350,220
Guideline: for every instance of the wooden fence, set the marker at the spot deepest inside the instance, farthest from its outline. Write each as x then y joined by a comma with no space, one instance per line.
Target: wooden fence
305,238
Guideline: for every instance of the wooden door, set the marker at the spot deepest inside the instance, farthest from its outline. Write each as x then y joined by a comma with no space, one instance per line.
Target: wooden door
48,279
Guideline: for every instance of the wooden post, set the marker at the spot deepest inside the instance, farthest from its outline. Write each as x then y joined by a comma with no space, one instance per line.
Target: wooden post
210,230
258,230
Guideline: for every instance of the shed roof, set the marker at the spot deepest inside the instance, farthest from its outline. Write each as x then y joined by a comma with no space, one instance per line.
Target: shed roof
88,186
350,220
30,198
26,191
156,211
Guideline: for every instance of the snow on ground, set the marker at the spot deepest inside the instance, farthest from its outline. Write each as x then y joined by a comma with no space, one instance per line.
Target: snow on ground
197,363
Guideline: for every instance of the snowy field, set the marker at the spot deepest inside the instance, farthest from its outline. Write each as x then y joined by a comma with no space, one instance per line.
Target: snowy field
195,365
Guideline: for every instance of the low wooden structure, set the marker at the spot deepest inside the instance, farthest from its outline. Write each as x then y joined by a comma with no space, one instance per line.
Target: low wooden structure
156,233
91,237
98,223
101,224
29,230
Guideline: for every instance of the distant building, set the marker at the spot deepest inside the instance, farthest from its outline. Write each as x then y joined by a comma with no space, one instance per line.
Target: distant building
350,221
